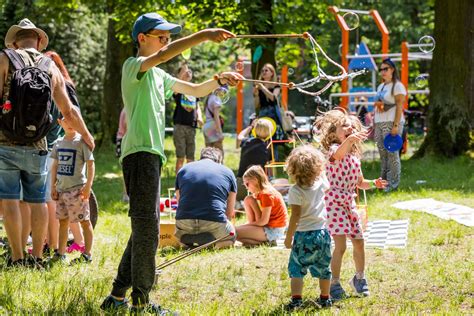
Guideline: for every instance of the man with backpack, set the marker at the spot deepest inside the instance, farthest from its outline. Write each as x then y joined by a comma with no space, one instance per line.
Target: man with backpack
28,84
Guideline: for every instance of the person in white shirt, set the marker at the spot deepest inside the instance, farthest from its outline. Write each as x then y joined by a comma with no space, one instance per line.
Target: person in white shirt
389,119
307,236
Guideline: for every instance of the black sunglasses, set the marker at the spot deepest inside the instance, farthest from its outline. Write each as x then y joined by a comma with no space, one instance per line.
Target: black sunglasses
384,69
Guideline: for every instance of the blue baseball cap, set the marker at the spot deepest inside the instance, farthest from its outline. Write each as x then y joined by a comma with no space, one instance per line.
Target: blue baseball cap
153,21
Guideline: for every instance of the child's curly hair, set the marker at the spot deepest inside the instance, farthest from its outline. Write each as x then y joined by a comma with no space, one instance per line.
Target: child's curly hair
328,124
305,165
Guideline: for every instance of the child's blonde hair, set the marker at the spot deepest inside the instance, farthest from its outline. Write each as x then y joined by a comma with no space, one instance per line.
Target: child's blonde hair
328,124
263,129
305,165
257,173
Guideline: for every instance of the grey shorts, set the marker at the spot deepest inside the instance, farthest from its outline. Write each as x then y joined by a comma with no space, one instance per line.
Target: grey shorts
184,138
197,226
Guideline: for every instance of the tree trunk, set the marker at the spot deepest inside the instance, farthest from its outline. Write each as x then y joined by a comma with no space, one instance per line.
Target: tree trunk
256,26
116,55
450,115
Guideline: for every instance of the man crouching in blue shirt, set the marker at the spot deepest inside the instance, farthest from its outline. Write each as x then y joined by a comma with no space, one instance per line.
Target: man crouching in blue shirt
206,192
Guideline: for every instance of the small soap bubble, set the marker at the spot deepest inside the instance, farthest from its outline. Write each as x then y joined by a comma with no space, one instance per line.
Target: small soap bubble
427,44
239,66
291,71
422,80
352,20
223,93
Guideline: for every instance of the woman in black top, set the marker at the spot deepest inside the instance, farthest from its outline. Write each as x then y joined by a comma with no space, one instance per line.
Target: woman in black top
266,98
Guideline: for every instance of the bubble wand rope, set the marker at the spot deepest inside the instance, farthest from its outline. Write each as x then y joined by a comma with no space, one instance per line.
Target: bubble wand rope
321,74
189,252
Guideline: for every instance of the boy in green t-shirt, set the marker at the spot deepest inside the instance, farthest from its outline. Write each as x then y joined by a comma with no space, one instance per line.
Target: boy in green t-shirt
144,89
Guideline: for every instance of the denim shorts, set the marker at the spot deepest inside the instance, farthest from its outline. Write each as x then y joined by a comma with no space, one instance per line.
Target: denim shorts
197,226
311,250
49,164
273,234
25,167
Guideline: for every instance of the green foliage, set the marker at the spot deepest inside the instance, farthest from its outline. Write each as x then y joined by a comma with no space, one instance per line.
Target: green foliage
78,36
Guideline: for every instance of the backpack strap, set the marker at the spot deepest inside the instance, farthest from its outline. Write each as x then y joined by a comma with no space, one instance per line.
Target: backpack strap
44,63
14,58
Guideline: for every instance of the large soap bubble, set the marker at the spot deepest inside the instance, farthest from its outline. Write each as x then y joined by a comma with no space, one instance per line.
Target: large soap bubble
223,93
422,80
427,44
352,20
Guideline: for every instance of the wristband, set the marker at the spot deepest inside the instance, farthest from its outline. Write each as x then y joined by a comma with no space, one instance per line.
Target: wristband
219,82
372,184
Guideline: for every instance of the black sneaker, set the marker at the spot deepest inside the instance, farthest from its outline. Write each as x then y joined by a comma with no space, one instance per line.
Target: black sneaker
294,304
35,263
16,263
112,304
151,308
83,258
56,258
324,303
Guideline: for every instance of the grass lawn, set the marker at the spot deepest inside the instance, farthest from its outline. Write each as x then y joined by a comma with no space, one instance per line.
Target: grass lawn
433,275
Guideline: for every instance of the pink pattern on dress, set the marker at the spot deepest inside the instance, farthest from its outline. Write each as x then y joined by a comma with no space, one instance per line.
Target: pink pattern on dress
343,176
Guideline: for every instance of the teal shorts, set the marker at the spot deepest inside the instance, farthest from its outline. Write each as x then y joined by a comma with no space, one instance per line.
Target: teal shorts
311,250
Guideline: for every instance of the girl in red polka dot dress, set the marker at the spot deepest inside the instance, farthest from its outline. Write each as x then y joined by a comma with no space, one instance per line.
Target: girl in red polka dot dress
341,137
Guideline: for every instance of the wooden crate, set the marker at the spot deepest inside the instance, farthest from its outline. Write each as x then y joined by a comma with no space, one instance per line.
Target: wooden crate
167,238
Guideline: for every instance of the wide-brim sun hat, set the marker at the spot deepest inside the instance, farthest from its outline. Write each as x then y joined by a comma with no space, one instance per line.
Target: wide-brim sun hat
393,143
153,21
26,24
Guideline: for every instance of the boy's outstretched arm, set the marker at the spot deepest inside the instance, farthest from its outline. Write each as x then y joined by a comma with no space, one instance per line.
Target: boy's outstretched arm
202,89
177,47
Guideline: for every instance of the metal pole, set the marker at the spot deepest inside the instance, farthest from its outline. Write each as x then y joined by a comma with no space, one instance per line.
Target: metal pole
355,11
374,55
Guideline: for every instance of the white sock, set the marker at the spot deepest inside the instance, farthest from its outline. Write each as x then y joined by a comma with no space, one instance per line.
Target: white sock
360,275
335,280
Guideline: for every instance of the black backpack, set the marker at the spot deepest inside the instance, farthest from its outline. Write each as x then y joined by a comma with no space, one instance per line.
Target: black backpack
26,116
